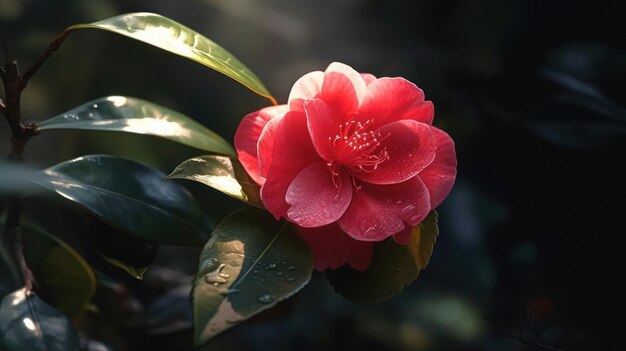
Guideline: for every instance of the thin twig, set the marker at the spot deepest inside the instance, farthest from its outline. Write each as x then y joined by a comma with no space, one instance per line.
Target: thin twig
54,45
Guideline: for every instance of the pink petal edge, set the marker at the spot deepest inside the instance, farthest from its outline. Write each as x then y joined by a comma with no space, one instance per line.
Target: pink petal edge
411,148
292,152
440,175
314,197
247,137
380,211
332,248
393,99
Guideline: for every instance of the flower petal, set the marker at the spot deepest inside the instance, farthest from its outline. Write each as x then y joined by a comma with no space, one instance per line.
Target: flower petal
292,152
323,124
368,78
343,88
403,237
247,137
439,176
411,148
379,211
315,199
307,87
265,146
332,248
393,99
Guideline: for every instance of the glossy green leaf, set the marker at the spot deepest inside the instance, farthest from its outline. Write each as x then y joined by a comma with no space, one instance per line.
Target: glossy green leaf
131,197
251,262
16,178
128,253
221,173
135,272
28,323
172,36
132,115
60,272
393,266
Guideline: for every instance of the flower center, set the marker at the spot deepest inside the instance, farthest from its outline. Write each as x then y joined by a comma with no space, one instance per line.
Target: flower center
357,148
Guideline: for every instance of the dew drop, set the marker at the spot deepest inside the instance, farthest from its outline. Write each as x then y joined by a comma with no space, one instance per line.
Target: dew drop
265,299
255,272
270,266
95,105
279,273
290,279
216,276
70,117
291,268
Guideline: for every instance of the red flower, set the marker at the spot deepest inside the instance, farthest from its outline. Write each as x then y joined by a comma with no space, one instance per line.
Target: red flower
350,159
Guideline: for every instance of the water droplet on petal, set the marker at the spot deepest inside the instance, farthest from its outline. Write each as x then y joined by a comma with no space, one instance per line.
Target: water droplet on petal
265,299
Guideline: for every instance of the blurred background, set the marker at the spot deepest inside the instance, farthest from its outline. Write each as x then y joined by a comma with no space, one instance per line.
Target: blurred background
532,91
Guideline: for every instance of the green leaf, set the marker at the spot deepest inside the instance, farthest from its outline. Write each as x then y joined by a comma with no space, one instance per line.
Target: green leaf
222,173
61,273
16,178
171,36
393,266
131,197
251,262
128,253
28,323
132,115
135,272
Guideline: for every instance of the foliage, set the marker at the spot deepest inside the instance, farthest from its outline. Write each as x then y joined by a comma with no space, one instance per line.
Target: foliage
125,209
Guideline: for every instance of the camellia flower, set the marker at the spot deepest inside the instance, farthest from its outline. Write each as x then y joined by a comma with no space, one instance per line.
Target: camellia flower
351,159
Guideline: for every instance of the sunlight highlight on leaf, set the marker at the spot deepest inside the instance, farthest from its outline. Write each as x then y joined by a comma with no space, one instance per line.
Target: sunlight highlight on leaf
132,115
221,173
172,36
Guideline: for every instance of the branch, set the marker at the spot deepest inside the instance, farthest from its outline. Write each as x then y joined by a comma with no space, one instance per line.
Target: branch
54,45
15,240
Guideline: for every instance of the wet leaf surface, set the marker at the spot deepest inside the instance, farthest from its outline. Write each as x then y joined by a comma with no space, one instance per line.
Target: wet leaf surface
251,263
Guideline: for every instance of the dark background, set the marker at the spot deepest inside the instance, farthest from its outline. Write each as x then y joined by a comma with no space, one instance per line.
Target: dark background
532,91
